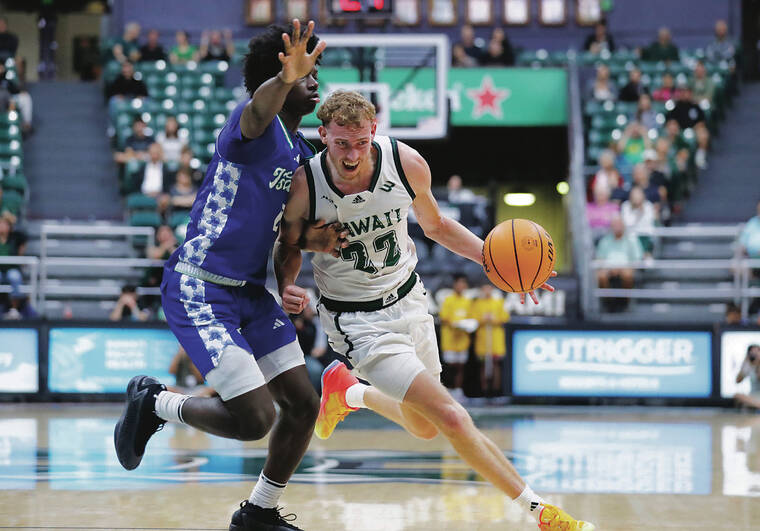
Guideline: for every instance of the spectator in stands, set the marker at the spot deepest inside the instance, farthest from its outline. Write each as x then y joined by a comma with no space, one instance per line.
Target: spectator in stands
459,57
152,50
723,48
191,165
618,250
12,243
495,55
87,58
170,140
666,91
126,308
500,52
639,216
216,48
642,179
749,238
136,145
634,88
8,210
467,35
457,193
607,176
8,41
689,114
601,210
602,88
633,142
702,85
455,340
183,52
490,340
127,49
182,193
155,177
164,245
126,85
17,307
307,333
733,316
600,40
645,115
750,369
188,379
662,49
659,176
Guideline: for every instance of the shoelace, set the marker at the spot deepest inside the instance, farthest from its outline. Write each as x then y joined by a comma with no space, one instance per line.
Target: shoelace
285,518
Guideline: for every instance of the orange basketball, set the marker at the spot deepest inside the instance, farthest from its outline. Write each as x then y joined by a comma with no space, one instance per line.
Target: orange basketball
518,255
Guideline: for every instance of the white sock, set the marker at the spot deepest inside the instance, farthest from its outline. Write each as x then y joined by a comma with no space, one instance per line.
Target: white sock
531,501
355,395
169,406
266,493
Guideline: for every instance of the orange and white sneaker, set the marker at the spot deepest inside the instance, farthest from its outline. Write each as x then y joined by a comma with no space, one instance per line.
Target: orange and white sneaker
336,379
553,518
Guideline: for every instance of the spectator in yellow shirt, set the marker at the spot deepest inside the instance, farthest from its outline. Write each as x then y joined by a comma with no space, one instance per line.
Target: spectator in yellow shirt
490,340
455,338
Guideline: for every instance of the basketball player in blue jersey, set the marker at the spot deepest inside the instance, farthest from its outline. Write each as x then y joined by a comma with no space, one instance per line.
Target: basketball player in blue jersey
213,291
373,305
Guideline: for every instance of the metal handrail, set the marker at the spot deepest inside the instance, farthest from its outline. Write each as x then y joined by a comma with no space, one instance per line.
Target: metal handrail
34,264
708,263
114,231
696,231
582,241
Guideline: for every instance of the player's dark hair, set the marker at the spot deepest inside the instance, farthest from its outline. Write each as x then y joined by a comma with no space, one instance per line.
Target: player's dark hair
261,61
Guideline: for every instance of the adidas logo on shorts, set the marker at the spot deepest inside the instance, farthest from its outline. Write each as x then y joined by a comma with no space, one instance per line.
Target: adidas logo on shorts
358,199
277,324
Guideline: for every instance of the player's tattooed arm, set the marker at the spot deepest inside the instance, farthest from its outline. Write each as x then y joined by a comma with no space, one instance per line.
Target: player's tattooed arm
269,98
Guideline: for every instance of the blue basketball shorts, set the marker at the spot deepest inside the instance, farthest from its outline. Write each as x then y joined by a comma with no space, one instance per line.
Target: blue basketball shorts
214,323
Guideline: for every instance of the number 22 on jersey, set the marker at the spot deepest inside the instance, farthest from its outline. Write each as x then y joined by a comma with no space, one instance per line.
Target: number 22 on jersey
357,252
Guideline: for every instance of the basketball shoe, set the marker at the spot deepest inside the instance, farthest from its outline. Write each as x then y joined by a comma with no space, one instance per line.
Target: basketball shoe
553,518
138,421
336,379
251,517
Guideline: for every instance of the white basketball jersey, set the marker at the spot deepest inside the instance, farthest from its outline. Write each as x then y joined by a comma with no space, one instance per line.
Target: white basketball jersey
380,255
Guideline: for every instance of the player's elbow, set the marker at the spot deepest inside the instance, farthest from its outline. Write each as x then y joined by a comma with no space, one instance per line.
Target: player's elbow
435,228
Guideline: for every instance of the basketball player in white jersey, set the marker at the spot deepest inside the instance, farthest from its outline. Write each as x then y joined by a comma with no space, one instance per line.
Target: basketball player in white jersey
372,303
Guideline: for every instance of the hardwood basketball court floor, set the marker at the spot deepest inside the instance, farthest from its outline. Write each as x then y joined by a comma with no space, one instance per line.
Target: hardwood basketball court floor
623,468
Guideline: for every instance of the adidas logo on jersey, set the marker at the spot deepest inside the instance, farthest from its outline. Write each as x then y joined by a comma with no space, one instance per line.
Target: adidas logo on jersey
390,298
277,324
358,199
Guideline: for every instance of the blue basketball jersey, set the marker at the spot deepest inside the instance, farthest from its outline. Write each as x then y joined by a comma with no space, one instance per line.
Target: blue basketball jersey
236,215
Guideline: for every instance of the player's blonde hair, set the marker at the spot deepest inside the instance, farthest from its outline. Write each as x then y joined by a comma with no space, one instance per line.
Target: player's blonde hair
346,107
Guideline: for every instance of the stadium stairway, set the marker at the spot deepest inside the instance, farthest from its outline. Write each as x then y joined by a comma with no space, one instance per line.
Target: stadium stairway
81,291
727,190
661,307
68,160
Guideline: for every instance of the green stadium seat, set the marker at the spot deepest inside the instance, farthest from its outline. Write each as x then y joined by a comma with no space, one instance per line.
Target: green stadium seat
141,202
12,201
143,218
15,182
178,218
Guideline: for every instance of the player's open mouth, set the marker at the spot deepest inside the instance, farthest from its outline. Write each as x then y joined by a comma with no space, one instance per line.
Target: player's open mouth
350,167
314,98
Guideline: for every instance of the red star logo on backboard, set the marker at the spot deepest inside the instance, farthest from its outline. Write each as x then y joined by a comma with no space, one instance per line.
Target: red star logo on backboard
487,99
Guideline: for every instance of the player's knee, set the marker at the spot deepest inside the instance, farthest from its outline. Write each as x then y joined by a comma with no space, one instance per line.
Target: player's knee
256,425
303,409
453,419
425,432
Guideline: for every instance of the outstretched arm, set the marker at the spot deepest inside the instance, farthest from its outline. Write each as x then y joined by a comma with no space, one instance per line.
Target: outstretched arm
439,228
270,96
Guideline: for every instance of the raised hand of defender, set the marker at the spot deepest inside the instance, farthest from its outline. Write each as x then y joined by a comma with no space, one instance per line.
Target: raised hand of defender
296,61
547,287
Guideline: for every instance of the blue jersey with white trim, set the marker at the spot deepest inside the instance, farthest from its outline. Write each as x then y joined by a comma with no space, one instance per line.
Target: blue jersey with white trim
236,215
